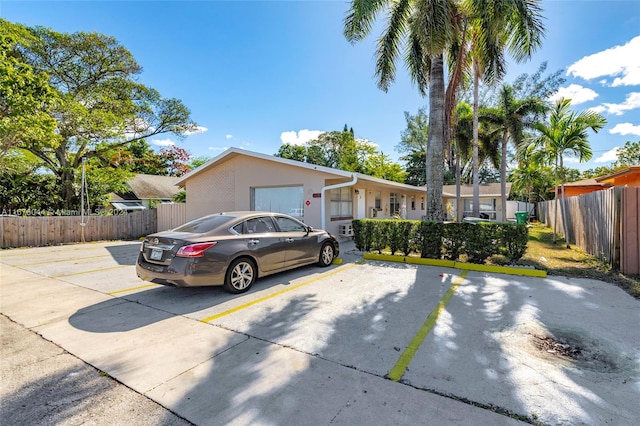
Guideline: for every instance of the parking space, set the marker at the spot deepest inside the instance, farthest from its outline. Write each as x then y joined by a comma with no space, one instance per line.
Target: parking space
362,340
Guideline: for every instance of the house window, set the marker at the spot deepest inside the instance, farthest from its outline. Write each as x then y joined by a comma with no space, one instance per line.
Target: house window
341,203
378,204
394,203
413,202
421,203
487,208
283,199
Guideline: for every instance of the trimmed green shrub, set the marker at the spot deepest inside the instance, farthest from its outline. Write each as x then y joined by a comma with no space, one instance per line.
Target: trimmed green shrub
433,240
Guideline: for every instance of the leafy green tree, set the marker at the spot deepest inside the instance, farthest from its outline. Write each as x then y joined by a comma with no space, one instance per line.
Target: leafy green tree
292,152
379,165
26,99
495,26
414,137
597,172
565,134
628,155
425,29
102,104
510,120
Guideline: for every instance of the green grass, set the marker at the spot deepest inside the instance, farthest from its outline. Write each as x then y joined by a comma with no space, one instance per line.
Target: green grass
557,259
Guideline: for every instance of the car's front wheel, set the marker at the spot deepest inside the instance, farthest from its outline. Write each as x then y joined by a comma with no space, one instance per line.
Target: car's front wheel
240,276
327,254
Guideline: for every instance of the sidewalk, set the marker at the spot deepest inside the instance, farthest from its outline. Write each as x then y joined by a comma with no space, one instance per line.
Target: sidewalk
42,384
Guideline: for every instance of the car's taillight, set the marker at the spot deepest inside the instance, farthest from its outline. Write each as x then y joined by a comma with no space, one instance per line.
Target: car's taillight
194,250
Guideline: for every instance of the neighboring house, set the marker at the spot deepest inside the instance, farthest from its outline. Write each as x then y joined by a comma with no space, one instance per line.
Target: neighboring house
625,177
490,200
581,187
145,190
320,196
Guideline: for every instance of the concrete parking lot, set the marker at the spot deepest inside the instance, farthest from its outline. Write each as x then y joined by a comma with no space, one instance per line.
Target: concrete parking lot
358,343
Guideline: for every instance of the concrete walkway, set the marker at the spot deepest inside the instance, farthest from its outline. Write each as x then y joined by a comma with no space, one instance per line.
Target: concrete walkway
318,346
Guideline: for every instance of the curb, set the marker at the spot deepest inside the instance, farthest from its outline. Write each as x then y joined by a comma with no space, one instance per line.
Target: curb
510,270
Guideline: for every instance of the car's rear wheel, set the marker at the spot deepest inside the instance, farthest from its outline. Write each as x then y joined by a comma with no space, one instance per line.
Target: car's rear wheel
241,275
327,254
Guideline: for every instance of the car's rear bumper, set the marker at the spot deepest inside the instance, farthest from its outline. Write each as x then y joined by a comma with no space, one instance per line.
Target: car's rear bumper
181,273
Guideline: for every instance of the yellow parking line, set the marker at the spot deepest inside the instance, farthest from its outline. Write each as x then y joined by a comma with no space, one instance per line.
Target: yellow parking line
277,293
126,290
60,260
403,362
91,271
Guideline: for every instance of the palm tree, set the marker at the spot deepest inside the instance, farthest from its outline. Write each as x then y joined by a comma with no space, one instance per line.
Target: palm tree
509,120
424,29
566,134
496,26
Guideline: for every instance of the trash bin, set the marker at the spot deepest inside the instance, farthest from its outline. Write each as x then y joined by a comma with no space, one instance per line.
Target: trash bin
521,217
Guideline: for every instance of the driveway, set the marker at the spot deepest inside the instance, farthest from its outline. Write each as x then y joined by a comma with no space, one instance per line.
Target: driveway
358,343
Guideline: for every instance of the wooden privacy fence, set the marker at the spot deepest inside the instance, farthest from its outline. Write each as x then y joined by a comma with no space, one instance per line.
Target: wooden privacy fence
35,231
602,223
171,215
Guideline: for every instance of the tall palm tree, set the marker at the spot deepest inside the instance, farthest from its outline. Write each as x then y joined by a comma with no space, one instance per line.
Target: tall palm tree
423,29
566,134
510,120
495,26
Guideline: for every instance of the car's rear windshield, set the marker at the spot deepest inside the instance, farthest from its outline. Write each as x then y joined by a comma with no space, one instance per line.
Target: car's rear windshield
204,224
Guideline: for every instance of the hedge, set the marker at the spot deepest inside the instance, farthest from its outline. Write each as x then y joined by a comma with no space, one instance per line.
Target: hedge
453,241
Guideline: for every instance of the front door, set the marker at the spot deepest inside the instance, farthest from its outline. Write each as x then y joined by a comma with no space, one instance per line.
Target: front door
361,203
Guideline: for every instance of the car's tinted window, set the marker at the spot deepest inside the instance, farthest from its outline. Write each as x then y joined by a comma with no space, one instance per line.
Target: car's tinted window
288,225
259,225
204,224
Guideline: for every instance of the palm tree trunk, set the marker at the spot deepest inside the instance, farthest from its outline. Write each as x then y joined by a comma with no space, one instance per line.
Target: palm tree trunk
555,210
459,206
503,176
563,210
476,175
435,141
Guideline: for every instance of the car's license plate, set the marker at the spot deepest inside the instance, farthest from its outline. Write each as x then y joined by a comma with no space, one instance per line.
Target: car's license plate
156,254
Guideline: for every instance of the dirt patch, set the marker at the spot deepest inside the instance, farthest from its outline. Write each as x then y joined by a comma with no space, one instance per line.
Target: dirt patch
579,349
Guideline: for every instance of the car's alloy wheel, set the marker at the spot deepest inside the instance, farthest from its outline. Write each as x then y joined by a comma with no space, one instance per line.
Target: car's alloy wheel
240,276
327,254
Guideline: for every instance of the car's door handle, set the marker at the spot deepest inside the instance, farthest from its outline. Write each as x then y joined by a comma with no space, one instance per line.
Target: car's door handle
289,240
253,242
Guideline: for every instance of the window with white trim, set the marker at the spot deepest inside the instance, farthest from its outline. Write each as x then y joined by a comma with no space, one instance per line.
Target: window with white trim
341,203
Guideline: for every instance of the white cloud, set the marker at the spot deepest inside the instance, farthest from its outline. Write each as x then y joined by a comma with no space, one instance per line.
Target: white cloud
218,148
162,142
568,159
626,129
632,102
609,156
293,138
229,136
621,62
198,129
576,93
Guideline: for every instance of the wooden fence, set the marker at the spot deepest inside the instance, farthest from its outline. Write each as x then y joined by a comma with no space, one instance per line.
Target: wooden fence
602,223
171,215
35,231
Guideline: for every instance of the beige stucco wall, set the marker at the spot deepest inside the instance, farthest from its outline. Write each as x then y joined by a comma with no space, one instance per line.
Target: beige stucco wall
227,187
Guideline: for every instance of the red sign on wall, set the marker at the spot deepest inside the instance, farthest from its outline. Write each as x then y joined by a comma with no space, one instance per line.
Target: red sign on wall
308,203
317,195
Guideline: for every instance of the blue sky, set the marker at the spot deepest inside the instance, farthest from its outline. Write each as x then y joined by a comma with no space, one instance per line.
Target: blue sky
256,74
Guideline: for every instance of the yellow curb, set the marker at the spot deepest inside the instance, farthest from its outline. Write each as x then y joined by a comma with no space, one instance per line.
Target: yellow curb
389,257
430,262
501,269
458,265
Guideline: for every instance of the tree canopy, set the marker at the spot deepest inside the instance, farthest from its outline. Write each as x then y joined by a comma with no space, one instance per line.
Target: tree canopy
92,98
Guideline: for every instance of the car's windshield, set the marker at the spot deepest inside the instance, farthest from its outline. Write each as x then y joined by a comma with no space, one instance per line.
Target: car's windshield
204,224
